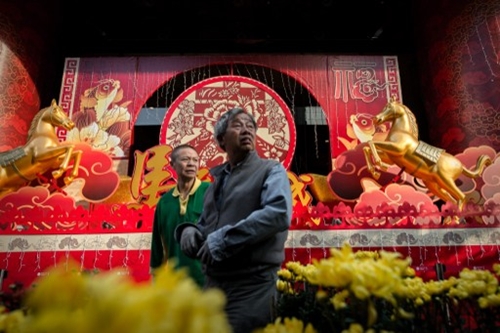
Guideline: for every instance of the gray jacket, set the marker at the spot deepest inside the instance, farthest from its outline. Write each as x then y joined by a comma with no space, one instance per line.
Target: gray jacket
247,233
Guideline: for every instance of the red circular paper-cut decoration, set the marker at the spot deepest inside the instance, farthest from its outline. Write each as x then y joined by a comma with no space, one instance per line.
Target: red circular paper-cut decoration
192,116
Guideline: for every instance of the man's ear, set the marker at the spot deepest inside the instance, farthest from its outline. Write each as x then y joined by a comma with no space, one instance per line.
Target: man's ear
220,142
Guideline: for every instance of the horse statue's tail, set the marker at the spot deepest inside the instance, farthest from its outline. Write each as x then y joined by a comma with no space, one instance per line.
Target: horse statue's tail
482,162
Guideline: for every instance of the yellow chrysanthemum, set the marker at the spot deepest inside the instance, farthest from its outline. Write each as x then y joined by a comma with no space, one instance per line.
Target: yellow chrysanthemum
491,300
285,274
354,328
474,283
287,325
67,301
339,299
10,322
496,268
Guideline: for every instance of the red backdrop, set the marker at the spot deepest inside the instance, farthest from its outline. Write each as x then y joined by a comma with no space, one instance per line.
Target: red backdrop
349,89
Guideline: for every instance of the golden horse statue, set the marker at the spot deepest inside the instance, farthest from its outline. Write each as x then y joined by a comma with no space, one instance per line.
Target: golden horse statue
43,152
437,169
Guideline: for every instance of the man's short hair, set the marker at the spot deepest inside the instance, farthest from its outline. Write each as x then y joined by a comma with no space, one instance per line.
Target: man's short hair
175,153
220,127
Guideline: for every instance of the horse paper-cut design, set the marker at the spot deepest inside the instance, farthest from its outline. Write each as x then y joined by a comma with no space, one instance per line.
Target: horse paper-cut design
437,169
43,152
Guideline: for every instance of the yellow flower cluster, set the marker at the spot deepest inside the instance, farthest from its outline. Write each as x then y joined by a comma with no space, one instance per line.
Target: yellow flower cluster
369,276
363,275
289,276
67,301
478,283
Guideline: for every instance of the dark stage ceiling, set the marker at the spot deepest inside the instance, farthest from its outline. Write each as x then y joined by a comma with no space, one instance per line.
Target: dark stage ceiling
146,27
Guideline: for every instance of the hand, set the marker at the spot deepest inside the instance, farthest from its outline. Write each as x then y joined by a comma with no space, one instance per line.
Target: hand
205,255
191,240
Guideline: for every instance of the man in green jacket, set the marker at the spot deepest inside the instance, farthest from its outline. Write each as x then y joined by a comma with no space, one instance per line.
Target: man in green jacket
183,203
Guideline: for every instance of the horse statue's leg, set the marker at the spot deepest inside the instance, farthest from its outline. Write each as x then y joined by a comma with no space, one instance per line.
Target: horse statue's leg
449,185
447,190
76,156
434,188
70,155
373,159
369,162
64,164
6,190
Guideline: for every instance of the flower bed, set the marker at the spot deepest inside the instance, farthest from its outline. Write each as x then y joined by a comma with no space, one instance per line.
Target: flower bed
66,300
363,291
378,291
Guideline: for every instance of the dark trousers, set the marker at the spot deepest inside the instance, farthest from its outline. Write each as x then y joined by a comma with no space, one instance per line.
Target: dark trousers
250,299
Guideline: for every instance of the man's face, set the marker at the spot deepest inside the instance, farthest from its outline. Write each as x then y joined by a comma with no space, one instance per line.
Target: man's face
187,163
240,134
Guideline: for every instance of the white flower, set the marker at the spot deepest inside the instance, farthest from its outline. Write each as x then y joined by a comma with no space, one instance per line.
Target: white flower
114,115
96,138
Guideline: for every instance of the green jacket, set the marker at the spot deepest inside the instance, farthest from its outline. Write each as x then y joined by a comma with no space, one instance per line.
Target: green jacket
166,218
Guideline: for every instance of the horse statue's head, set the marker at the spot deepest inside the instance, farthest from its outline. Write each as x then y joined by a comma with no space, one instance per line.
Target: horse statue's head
53,115
58,117
394,110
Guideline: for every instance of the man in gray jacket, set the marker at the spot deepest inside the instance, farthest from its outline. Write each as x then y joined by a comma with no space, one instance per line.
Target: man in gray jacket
241,234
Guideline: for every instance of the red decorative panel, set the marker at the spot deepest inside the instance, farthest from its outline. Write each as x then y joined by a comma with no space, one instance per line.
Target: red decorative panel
19,100
361,86
461,72
191,118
